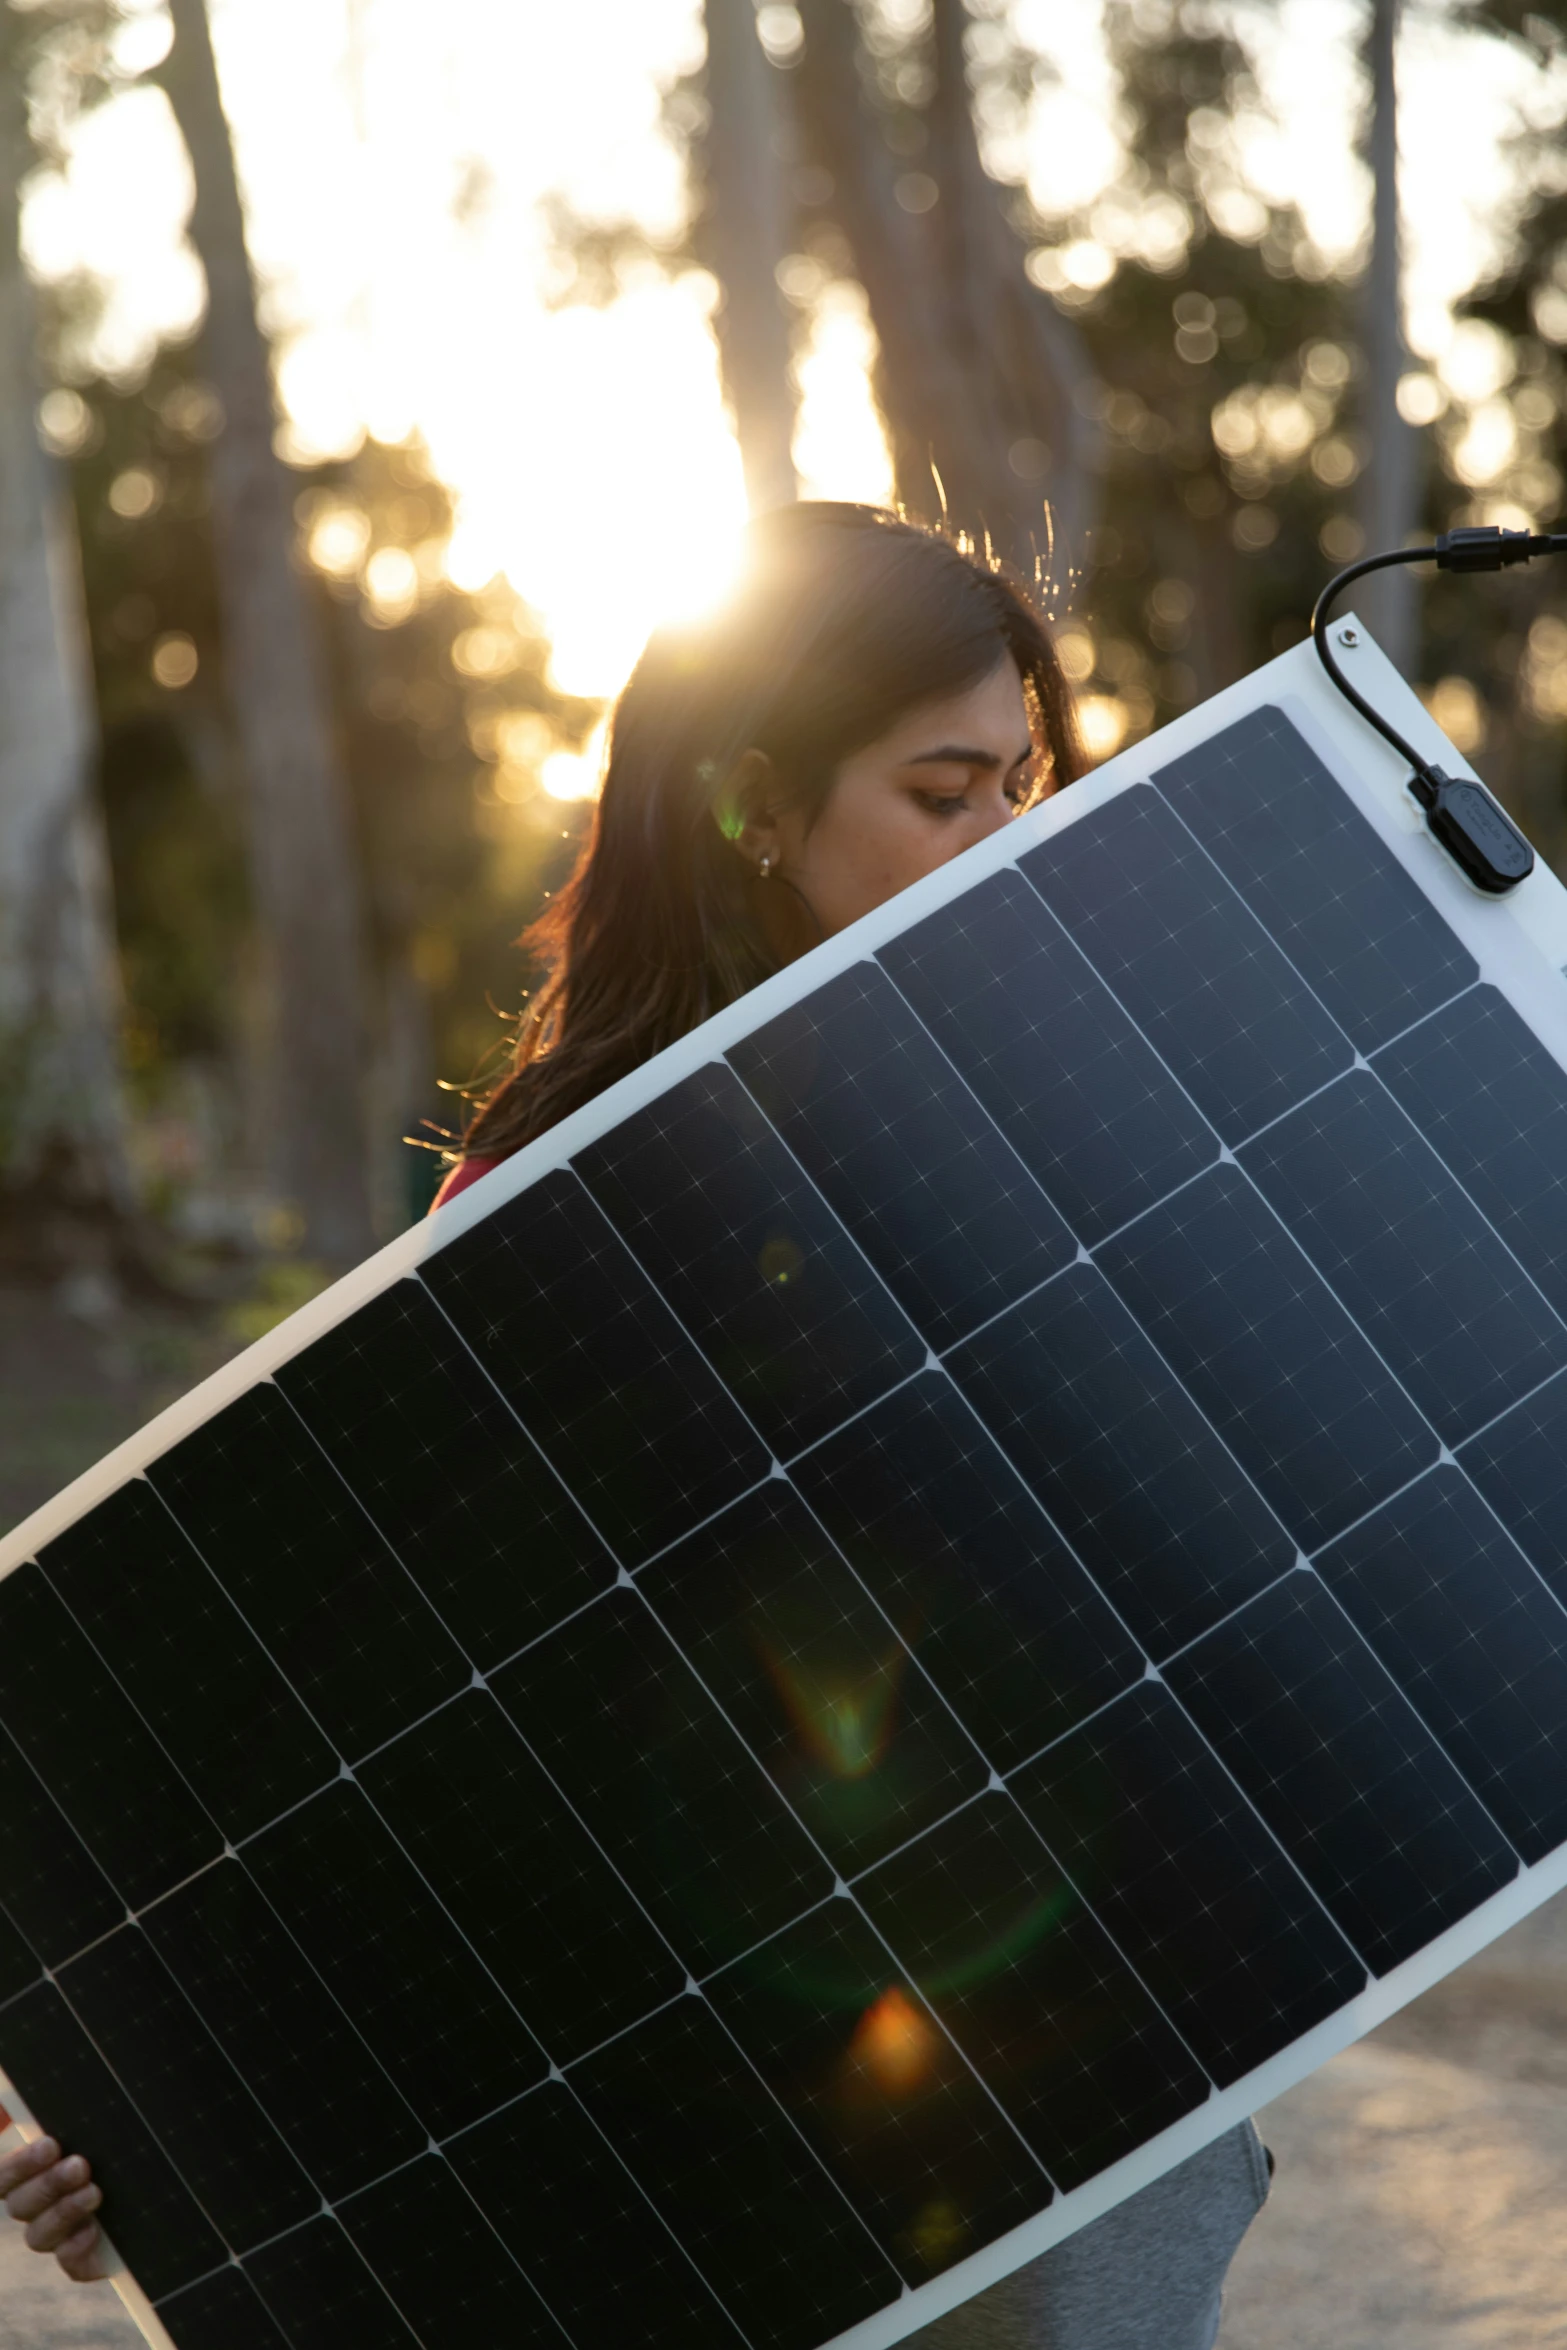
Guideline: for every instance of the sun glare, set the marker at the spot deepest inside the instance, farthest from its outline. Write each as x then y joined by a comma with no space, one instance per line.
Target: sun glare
398,164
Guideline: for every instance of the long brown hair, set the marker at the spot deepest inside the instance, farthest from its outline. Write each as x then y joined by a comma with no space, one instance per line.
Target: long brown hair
846,618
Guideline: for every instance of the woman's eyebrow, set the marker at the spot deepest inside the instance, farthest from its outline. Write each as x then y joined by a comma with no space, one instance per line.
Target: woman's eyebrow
961,755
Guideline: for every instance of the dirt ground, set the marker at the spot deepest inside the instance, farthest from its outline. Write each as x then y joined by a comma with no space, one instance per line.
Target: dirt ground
1421,2196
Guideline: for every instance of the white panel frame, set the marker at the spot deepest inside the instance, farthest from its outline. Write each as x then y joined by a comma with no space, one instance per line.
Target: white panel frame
1520,944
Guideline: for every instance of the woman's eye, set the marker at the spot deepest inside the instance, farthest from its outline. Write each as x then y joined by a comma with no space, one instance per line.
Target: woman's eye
942,803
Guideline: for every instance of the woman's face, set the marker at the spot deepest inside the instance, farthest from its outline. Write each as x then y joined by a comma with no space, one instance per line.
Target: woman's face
945,777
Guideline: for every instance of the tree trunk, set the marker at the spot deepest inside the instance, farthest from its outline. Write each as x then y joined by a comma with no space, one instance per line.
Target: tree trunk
62,1107
1389,602
745,235
976,363
302,853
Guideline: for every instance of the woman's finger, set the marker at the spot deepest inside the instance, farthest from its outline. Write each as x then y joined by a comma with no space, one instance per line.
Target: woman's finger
38,2194
62,2220
78,2256
24,2162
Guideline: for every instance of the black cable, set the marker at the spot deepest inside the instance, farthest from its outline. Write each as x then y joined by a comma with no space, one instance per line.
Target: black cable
1474,829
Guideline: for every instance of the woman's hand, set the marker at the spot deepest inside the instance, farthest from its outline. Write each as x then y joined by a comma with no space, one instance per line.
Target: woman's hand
56,2199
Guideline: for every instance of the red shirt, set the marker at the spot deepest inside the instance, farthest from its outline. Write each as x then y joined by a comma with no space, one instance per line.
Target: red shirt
465,1172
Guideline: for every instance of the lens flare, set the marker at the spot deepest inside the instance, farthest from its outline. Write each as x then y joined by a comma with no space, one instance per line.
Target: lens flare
845,1724
895,2044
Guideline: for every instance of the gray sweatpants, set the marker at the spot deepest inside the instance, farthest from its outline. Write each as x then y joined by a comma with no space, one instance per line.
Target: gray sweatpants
1148,2276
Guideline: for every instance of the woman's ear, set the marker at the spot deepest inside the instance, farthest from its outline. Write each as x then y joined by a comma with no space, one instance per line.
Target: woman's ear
745,812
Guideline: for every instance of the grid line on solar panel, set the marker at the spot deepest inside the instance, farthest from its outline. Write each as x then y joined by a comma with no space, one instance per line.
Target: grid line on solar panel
65,1710
444,1467
1279,1369
1311,1725
937,1523
922,1177
1459,1322
308,1570
187,1661
222,2311
559,2188
848,2047
1116,1400
555,1306
1354,924
1075,1087
781,2244
59,1897
1188,960
1148,1824
444,2265
238,2166
760,1271
1492,1102
1475,1638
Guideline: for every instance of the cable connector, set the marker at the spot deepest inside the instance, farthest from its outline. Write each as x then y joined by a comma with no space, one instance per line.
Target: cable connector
1482,547
1480,837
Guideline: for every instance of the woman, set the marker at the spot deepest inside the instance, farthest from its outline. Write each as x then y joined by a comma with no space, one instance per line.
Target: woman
872,701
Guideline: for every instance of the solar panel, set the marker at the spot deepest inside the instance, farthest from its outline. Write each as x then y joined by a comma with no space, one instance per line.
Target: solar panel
864,1648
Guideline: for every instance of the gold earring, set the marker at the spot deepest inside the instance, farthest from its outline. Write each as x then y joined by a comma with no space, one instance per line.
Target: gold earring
764,864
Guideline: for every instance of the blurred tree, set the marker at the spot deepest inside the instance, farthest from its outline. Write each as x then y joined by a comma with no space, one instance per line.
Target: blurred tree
62,1112
301,847
981,380
1390,487
743,236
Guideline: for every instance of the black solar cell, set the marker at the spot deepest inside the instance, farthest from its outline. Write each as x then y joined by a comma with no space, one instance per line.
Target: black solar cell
582,1346
813,1677
80,1732
661,1783
280,2028
305,1567
239,2168
1082,1097
222,2312
784,2251
423,1439
322,2294
858,2062
758,1269
1031,1988
1343,1771
1471,1634
1154,1505
1192,965
905,1154
426,2005
57,1895
1160,1843
957,1553
1357,927
442,2263
159,2229
190,1664
1492,1103
1451,1311
549,2182
1278,1367
507,1859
